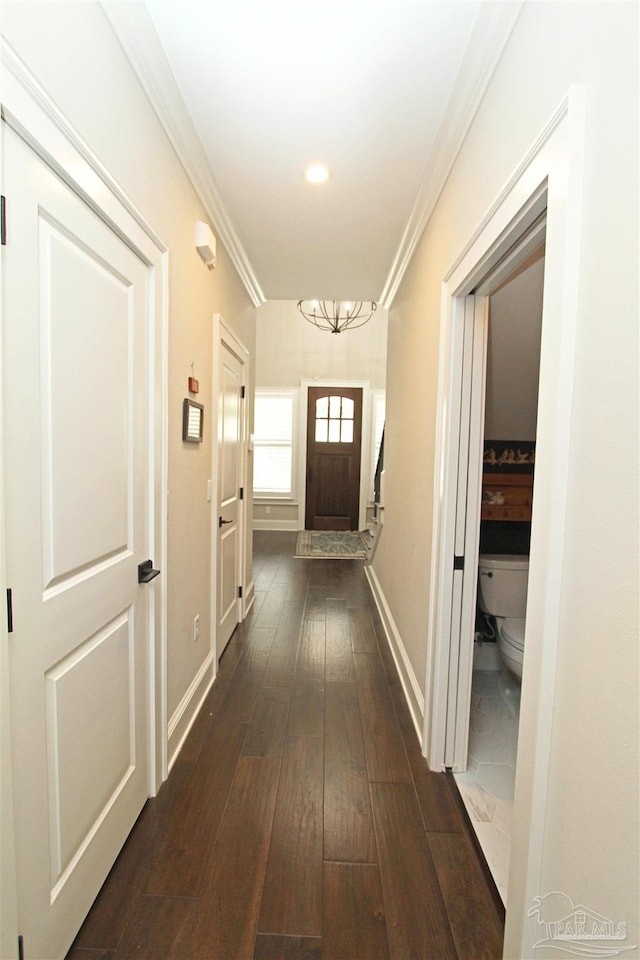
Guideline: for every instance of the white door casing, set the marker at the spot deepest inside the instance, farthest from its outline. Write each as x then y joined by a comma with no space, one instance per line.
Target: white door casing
549,176
230,455
84,459
469,337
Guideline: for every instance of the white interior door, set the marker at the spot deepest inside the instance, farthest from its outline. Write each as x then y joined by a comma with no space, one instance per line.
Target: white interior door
77,317
471,357
230,480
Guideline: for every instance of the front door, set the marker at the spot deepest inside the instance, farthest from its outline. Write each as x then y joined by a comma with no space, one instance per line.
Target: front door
334,434
230,470
76,343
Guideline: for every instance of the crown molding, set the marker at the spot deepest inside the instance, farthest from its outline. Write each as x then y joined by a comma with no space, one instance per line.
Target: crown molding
138,38
488,39
27,107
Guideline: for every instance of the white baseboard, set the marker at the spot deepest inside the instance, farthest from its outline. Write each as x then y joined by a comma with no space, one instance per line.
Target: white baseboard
410,686
188,709
276,525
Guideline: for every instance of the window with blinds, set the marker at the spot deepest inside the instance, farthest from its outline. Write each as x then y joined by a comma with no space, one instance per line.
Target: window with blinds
273,445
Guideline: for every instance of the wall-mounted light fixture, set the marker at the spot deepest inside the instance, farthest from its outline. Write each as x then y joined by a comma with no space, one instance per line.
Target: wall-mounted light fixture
206,243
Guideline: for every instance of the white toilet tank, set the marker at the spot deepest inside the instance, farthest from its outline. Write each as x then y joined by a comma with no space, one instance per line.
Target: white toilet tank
502,584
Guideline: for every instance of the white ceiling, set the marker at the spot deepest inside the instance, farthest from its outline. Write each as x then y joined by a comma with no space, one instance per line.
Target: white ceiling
251,91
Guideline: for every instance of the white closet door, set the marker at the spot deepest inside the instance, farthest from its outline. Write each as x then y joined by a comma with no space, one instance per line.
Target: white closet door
77,322
472,357
229,453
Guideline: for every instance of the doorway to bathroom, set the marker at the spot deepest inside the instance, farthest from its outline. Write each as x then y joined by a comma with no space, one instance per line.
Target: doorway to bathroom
547,180
463,453
512,368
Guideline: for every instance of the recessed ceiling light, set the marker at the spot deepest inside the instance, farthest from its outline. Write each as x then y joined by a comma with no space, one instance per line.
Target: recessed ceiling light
316,173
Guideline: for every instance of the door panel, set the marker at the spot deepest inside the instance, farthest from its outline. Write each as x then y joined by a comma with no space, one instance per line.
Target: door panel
76,284
229,482
77,317
334,431
472,363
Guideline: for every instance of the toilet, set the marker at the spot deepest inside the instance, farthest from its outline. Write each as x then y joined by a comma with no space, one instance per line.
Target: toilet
502,592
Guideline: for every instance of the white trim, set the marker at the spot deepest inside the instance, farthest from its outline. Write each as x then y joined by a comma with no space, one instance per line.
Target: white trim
365,443
276,525
410,686
518,205
196,691
553,166
8,891
275,501
489,38
137,36
29,109
161,546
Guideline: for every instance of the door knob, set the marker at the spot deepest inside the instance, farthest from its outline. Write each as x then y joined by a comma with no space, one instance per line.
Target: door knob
146,571
222,522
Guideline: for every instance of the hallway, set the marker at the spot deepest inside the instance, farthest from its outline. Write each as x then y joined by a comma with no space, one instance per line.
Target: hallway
300,820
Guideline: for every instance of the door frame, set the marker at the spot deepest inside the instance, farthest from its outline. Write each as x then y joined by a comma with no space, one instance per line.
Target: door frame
470,334
549,175
365,443
223,334
30,112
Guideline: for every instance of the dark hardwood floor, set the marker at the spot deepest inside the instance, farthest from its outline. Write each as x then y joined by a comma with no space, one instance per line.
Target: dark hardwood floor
300,821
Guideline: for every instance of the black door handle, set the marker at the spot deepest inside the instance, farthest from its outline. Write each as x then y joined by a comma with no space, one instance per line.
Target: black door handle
221,522
146,571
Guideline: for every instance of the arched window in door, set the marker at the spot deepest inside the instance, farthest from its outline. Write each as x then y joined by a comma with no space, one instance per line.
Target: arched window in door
334,419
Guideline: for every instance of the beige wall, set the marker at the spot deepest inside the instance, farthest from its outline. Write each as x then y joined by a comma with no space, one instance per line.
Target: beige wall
72,51
289,349
590,837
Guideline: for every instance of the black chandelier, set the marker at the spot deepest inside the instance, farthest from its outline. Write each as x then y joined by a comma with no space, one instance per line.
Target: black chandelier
337,315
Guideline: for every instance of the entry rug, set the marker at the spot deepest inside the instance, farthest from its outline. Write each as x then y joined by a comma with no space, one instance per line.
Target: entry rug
327,544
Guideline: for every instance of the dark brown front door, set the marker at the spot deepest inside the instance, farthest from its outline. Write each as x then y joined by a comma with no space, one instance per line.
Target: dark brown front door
334,430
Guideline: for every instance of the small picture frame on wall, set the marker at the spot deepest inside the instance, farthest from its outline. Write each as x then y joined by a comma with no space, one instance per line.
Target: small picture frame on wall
192,420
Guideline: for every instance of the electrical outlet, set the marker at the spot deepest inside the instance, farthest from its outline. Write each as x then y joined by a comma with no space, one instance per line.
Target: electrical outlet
196,627
267,509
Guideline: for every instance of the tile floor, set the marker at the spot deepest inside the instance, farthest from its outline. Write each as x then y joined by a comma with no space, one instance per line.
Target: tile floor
487,785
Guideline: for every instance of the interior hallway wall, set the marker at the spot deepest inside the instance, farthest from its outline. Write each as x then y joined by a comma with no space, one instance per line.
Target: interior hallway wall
72,51
289,349
590,837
